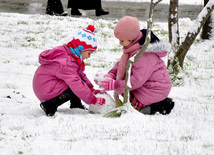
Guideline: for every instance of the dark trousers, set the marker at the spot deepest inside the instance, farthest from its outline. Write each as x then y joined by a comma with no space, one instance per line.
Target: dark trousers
85,4
64,97
54,6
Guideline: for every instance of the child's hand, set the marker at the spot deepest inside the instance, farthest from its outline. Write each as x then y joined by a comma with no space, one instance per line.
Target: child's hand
96,91
98,77
107,84
99,101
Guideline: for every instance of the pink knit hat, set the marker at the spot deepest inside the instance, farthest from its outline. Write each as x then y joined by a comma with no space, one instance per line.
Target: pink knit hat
128,28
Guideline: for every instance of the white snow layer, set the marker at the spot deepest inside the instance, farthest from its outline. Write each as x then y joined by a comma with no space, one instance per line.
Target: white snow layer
25,129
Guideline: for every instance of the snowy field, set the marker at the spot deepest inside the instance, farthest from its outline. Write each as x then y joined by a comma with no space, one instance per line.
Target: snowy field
25,129
187,2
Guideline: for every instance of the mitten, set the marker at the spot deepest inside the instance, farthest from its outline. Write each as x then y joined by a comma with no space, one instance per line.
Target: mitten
107,84
99,101
96,91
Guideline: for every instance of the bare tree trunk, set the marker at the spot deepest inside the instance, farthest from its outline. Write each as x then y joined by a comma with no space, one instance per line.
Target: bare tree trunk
173,22
174,37
206,32
192,34
207,28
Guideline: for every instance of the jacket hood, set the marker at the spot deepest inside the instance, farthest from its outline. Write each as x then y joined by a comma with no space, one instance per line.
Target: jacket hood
159,48
58,54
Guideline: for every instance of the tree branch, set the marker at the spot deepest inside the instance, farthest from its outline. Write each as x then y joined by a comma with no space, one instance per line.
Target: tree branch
194,31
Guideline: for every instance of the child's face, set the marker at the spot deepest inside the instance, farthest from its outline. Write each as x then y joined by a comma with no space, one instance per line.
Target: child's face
125,42
86,54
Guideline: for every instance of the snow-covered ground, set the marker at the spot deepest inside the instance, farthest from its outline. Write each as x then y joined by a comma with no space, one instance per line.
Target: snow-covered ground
24,128
188,2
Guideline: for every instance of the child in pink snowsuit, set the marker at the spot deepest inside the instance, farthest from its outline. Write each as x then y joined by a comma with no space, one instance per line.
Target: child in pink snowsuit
61,77
150,81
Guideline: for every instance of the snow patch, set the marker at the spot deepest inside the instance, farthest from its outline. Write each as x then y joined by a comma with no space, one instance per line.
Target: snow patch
109,105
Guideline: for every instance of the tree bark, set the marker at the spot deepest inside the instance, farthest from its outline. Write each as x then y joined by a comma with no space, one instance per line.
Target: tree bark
173,22
207,28
194,31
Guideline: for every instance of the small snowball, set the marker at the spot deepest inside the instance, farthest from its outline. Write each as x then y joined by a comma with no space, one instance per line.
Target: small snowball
99,77
109,105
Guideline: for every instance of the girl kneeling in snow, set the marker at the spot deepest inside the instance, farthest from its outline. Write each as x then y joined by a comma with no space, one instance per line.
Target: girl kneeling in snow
60,76
150,81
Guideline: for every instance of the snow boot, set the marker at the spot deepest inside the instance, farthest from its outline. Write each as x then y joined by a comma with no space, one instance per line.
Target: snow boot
64,13
54,7
168,106
163,107
76,103
100,12
50,13
48,107
75,12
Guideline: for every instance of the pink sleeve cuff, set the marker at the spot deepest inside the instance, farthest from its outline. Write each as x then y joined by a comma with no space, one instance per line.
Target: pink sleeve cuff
110,75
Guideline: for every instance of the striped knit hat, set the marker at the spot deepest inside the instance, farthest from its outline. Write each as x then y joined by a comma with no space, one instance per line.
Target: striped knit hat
85,39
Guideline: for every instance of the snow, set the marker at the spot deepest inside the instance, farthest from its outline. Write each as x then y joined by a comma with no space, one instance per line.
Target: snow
110,105
200,17
180,2
24,128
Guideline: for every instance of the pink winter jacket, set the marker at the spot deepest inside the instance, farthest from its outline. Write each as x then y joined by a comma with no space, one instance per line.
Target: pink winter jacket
150,81
58,71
